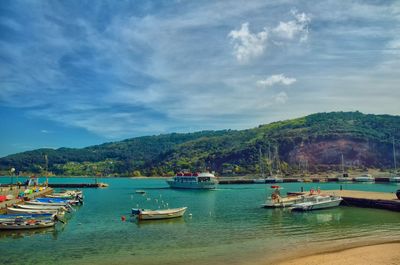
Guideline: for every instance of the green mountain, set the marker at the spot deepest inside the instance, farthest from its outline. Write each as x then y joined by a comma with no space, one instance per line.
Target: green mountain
315,141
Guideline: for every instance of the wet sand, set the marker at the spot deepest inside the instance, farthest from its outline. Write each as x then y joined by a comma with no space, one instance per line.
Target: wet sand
380,254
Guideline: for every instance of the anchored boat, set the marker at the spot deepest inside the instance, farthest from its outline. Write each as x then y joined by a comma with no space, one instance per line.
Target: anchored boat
158,214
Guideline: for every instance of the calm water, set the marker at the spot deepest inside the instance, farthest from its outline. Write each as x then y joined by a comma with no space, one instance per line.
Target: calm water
226,225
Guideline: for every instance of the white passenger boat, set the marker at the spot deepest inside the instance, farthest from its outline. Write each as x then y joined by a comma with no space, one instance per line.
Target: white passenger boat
317,202
193,181
158,214
364,178
273,180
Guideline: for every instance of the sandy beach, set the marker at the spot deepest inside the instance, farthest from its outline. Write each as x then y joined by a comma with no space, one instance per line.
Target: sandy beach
367,255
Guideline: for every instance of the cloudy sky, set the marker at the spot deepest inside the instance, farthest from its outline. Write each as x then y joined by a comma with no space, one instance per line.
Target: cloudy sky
76,73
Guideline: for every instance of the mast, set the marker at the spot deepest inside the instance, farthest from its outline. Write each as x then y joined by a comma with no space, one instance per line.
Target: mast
394,157
342,165
261,164
47,168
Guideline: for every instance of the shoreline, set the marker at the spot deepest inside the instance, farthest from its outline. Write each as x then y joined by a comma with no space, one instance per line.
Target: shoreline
374,252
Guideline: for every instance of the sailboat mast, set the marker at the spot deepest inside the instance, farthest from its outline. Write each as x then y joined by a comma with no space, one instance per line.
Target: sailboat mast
260,161
394,157
342,165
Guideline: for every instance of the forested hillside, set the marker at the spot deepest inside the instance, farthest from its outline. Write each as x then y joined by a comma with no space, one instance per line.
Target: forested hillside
314,142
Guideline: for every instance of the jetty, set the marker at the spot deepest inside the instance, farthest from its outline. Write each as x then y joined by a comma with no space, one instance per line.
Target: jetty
78,185
364,199
14,191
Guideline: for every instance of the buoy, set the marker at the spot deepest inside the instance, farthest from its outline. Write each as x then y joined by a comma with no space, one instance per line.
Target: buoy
190,215
123,218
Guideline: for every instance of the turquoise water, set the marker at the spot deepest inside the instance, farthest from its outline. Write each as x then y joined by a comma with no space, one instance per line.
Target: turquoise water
226,225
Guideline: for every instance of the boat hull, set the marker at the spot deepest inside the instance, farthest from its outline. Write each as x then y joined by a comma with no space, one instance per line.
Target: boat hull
310,206
161,214
25,225
12,210
192,185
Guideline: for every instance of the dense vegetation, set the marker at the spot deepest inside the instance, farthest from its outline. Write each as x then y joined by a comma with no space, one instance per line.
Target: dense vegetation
316,141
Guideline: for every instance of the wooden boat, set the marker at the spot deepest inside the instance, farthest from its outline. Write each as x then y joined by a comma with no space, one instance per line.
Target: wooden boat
40,207
11,210
318,202
26,224
13,217
159,214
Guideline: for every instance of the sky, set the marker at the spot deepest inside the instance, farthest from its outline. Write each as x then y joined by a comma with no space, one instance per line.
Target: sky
78,73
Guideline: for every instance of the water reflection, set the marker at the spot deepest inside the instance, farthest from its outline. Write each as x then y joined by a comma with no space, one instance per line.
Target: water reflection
17,234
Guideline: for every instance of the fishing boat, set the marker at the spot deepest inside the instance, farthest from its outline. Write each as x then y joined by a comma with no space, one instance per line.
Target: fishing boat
53,201
394,177
317,203
67,194
13,217
41,207
203,180
26,224
32,211
158,214
364,178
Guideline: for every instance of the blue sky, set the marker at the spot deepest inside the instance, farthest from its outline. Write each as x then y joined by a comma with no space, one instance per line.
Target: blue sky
77,73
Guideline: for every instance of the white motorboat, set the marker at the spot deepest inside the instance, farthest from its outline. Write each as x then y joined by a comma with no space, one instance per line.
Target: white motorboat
273,180
364,178
159,214
203,180
317,202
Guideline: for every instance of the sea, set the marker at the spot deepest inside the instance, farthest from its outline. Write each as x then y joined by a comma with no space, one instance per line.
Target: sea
222,226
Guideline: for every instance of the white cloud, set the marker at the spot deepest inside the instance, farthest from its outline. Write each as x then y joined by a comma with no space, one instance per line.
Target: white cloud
276,79
281,98
248,45
292,29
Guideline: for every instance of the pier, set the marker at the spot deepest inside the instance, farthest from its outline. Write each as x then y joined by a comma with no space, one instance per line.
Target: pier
14,191
364,199
368,199
78,185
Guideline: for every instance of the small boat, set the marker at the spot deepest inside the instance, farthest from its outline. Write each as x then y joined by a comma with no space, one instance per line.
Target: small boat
276,201
12,217
67,194
193,181
33,211
273,180
318,202
364,178
345,176
140,191
158,214
40,207
26,224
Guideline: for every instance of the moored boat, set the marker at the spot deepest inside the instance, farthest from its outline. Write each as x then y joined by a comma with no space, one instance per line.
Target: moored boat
276,201
318,202
364,178
159,214
12,210
40,207
26,224
203,180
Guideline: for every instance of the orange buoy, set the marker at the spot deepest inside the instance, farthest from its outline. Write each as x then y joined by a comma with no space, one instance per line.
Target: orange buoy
123,218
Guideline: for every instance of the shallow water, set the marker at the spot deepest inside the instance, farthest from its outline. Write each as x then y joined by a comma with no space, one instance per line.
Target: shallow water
226,225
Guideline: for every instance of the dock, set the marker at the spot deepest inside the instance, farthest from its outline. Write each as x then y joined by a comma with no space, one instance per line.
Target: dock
15,191
78,185
364,199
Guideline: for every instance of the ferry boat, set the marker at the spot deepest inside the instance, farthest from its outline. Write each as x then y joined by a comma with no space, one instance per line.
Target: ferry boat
203,180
